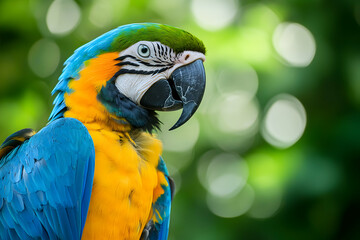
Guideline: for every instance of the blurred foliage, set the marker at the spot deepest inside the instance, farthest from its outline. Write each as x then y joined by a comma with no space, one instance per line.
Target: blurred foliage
307,189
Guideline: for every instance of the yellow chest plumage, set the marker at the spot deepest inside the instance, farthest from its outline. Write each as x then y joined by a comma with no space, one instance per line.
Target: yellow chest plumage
124,183
126,180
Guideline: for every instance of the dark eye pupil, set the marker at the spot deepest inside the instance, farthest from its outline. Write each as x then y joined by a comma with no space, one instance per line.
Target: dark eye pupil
144,50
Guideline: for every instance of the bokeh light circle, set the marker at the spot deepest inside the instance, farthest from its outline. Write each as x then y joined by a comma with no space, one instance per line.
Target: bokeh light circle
236,113
63,16
240,78
100,14
214,14
222,174
233,206
284,121
44,57
189,133
294,43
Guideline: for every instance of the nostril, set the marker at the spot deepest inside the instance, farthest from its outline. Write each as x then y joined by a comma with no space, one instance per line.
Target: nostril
187,57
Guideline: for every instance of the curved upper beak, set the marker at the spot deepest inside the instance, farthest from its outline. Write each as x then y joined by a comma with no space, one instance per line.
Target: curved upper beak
184,89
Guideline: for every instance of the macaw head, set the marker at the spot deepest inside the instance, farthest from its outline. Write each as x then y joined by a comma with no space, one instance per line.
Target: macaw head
127,74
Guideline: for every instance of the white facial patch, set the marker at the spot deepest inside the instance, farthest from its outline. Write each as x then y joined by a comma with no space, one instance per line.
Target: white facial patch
145,63
134,86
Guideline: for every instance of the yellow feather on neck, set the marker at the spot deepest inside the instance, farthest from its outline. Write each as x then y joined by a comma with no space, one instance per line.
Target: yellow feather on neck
82,102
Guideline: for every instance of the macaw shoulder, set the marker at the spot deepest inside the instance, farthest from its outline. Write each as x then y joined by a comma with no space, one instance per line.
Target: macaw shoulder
45,176
60,143
65,138
60,134
68,129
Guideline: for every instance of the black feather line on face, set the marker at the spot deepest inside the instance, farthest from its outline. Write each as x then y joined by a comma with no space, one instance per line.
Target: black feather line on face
142,62
162,50
127,63
158,49
141,72
121,106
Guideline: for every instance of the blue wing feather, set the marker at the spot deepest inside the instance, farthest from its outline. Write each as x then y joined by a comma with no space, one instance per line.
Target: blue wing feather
46,182
160,229
164,226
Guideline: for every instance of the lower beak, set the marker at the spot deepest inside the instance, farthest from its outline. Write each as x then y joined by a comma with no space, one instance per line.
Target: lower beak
185,88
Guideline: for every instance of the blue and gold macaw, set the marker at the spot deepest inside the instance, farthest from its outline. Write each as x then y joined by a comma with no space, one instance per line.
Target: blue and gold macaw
95,171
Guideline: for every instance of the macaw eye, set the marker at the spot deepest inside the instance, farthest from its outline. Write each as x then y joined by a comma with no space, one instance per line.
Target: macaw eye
143,50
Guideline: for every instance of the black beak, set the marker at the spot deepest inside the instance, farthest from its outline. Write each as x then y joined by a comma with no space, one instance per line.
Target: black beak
185,88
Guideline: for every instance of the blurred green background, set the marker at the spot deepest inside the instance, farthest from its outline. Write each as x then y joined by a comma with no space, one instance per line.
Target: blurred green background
273,151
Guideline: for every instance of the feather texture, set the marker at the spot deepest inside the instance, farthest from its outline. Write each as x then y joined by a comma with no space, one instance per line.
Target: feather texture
46,183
